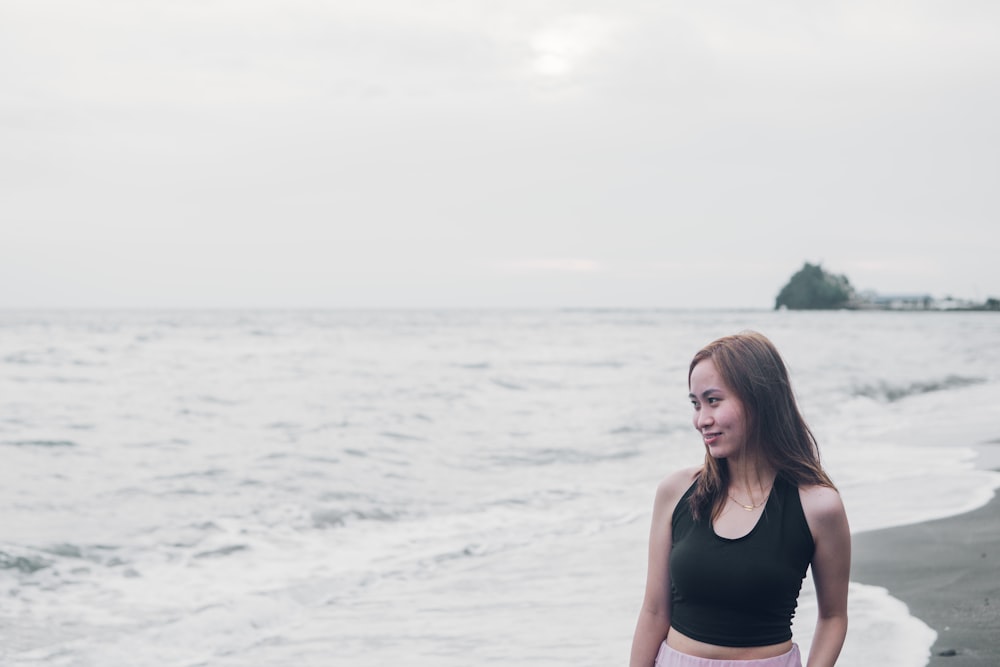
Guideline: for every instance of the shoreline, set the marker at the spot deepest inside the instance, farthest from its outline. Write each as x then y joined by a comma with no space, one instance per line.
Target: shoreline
947,571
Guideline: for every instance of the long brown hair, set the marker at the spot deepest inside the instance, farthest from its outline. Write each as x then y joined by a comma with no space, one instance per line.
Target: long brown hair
776,432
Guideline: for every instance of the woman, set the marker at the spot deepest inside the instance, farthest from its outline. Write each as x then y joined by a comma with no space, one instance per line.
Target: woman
731,539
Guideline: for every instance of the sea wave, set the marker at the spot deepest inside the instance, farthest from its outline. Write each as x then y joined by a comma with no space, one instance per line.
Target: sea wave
26,564
39,443
891,392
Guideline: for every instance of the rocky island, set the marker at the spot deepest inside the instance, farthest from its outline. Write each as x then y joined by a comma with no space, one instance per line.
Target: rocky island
814,288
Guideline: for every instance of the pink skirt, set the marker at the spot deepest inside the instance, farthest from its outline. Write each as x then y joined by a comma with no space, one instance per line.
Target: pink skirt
668,657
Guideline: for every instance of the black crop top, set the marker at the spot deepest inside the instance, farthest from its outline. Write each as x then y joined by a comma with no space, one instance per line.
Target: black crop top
740,592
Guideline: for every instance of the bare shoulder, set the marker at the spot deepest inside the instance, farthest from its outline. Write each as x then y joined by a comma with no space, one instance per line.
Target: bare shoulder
673,486
820,499
822,506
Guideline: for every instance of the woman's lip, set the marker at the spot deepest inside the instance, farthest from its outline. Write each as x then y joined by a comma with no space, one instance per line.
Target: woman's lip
710,437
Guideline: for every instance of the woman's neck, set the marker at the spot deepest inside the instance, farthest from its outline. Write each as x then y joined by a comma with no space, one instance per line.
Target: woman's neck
750,477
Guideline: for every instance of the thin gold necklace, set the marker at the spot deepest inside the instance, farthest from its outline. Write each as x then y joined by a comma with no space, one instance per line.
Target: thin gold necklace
750,508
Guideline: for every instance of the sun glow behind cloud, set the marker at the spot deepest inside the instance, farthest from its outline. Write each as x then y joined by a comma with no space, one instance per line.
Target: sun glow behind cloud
565,45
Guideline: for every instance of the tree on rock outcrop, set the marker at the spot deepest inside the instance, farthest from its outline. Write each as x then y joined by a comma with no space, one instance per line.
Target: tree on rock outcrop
812,288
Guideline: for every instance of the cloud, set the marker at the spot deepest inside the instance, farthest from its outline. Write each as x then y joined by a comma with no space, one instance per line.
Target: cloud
502,146
566,44
550,265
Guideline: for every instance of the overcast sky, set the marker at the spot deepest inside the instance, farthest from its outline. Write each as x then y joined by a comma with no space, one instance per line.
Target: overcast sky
466,153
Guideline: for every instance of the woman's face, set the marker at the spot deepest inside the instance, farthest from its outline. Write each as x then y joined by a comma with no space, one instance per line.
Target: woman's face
718,414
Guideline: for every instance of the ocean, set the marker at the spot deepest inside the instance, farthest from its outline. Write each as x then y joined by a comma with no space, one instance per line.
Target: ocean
428,488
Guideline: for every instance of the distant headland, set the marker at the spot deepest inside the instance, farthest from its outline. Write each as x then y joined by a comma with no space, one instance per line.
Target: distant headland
813,288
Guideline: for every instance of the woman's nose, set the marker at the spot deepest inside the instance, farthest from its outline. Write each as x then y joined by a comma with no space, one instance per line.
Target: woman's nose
702,419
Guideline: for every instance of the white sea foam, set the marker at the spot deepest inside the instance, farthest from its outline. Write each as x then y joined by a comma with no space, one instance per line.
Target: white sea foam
362,488
882,631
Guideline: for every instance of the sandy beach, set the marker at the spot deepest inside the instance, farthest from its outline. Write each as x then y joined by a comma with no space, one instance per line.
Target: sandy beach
948,572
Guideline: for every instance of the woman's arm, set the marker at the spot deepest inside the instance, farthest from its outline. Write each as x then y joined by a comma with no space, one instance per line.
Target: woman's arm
831,568
654,616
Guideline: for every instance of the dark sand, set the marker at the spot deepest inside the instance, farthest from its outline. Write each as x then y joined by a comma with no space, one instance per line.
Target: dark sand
948,574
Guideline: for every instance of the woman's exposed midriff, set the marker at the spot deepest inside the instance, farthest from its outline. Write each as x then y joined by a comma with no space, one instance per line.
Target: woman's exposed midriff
684,644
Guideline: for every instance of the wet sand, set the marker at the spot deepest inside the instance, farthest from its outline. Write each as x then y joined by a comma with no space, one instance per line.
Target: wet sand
948,572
